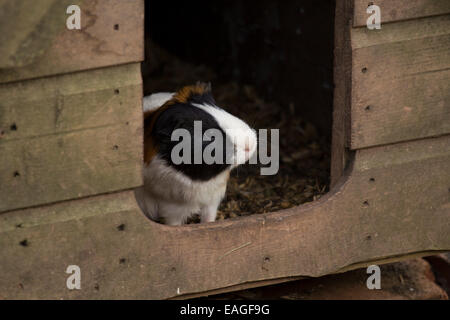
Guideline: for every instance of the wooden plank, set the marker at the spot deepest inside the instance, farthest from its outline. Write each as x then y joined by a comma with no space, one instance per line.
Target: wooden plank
395,202
70,102
70,136
401,32
263,283
342,90
31,26
401,88
413,108
112,32
398,10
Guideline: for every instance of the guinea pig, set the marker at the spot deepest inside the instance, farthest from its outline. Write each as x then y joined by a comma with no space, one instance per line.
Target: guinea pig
174,191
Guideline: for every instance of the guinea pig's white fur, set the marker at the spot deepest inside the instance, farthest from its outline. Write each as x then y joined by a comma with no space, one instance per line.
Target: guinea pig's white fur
163,184
240,133
156,100
173,196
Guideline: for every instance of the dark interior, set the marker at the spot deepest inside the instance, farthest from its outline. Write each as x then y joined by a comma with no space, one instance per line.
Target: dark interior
271,64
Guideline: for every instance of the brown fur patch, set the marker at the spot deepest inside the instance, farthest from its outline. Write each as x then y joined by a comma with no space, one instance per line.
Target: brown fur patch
150,148
184,94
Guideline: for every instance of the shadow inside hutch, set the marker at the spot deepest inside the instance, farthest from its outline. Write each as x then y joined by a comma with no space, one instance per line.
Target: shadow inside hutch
270,63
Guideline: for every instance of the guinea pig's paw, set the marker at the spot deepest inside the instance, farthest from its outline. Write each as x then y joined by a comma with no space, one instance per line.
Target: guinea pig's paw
208,213
173,215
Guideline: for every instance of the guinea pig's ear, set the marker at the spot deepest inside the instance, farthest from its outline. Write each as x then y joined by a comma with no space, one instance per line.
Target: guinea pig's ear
205,85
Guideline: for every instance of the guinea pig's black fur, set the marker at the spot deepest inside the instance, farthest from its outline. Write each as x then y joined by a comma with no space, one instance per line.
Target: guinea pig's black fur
183,116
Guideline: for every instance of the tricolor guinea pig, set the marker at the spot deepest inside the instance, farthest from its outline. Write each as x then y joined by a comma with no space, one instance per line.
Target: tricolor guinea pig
174,191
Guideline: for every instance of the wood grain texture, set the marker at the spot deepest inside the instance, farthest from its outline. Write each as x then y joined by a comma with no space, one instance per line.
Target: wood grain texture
401,82
69,136
342,90
394,201
398,10
28,29
401,32
112,32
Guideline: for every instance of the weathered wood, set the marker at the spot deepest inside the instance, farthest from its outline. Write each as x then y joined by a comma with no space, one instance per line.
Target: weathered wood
245,286
401,32
70,102
397,10
342,90
28,29
395,201
415,107
112,33
401,82
69,136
